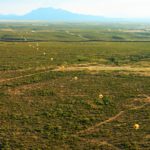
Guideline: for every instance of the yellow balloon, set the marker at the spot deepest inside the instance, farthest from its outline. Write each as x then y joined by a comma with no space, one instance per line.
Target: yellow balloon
76,78
136,126
101,96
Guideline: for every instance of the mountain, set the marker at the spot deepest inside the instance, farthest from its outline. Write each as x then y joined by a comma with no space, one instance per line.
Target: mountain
51,14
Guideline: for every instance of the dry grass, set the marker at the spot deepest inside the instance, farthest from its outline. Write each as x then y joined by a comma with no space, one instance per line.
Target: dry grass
96,68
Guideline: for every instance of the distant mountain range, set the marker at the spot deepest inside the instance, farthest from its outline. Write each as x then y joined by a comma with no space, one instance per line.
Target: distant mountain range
51,14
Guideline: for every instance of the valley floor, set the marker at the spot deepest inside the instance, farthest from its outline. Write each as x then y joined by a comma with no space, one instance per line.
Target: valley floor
57,95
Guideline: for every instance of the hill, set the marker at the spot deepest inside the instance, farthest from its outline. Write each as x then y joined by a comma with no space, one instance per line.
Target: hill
51,14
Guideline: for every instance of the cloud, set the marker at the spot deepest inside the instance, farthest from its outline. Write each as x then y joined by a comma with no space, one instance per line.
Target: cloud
109,8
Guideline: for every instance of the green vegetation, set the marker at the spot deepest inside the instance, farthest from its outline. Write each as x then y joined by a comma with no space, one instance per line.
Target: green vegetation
74,32
43,106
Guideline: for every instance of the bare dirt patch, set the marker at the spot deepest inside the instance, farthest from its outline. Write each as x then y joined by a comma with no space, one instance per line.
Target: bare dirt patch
96,68
147,136
21,89
92,68
8,30
138,103
91,104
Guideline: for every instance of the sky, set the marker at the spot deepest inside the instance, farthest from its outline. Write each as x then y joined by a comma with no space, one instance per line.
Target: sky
107,8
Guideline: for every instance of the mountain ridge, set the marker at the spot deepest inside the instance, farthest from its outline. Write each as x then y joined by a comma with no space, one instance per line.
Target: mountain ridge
52,14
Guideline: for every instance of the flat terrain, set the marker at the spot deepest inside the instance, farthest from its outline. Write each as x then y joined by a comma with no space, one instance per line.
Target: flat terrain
59,92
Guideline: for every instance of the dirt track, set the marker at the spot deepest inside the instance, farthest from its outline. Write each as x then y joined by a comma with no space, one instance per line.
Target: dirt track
145,71
88,130
94,127
102,68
